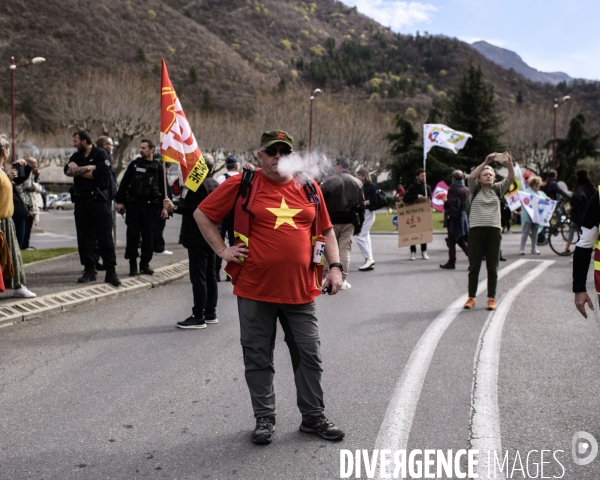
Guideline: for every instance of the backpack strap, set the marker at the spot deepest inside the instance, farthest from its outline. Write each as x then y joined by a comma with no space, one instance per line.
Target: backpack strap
245,190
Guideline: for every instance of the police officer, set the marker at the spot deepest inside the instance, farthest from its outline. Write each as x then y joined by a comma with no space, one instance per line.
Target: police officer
141,194
90,168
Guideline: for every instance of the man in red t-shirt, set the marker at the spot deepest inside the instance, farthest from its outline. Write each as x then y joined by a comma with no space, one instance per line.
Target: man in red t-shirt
276,279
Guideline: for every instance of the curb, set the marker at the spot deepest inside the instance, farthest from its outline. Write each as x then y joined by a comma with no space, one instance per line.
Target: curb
22,310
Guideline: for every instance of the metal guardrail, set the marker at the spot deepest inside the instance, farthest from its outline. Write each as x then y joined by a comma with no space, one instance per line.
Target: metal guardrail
22,310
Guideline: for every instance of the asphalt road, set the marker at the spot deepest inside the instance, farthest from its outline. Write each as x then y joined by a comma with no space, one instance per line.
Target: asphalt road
56,229
113,391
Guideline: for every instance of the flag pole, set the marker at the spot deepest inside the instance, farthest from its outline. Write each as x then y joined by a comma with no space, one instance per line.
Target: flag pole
424,162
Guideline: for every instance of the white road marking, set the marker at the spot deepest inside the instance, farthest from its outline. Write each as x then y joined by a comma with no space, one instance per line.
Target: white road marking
395,429
485,413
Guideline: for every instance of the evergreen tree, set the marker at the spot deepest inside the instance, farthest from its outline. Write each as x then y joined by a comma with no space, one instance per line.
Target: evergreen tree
578,145
473,110
207,103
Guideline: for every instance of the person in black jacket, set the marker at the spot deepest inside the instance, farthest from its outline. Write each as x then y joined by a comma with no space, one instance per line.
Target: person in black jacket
141,194
455,218
201,256
552,189
584,191
90,168
413,193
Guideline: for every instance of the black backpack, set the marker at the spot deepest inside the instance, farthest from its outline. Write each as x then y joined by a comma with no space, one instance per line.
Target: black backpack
380,200
454,209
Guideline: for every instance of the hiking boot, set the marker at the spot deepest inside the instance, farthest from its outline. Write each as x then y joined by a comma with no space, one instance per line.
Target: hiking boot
263,433
448,266
133,269
146,270
112,278
89,275
368,265
491,305
191,323
470,303
322,427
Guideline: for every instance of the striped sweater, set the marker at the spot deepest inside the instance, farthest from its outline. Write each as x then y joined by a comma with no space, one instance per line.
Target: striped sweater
485,207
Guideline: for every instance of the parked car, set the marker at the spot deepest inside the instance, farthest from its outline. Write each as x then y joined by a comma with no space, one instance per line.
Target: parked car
63,202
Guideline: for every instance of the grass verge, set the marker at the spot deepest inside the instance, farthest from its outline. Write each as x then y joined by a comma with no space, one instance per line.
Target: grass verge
30,256
383,222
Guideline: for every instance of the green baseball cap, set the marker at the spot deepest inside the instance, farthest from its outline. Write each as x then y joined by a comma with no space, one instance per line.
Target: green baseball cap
276,136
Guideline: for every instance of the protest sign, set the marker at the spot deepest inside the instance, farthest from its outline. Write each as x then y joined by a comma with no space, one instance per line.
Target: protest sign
415,223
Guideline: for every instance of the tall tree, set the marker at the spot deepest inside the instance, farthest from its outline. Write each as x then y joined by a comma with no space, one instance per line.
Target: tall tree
577,145
473,110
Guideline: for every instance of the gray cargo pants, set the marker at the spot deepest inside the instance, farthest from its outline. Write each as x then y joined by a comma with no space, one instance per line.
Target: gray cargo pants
258,328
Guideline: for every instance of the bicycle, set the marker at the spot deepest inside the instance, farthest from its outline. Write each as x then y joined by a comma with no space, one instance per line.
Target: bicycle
558,231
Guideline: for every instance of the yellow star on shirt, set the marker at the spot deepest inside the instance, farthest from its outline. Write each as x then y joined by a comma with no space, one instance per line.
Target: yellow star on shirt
284,214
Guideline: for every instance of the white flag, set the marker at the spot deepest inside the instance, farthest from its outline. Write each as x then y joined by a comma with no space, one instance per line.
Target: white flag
438,135
538,208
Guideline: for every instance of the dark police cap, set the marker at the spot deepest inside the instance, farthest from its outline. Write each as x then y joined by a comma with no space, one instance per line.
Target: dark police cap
275,136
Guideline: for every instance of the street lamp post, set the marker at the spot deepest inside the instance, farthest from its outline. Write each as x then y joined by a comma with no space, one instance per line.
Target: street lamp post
312,97
13,67
557,103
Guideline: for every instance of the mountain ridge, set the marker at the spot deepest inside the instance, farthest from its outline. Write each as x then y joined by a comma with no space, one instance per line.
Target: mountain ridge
509,59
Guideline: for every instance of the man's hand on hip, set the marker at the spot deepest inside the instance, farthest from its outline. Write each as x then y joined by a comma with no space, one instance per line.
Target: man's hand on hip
233,254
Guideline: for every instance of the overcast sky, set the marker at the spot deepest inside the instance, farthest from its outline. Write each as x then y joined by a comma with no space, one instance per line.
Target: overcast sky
549,35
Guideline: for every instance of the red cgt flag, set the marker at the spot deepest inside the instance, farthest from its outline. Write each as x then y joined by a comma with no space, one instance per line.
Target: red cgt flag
177,141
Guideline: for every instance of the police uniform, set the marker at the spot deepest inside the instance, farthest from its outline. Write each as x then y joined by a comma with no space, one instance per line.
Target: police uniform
142,192
93,216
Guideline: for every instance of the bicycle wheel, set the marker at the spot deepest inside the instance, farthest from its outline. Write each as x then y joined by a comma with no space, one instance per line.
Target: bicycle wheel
558,239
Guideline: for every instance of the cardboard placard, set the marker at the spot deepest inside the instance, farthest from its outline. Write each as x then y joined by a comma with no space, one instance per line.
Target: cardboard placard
415,223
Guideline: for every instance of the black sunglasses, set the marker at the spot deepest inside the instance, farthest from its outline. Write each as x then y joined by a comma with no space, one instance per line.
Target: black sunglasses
284,152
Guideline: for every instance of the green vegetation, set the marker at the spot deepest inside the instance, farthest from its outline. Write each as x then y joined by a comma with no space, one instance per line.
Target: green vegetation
207,103
578,145
473,109
30,256
193,75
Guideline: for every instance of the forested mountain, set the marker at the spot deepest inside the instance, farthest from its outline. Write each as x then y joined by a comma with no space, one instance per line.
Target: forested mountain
242,65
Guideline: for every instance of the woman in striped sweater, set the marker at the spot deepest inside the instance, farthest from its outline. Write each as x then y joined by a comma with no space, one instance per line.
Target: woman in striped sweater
485,229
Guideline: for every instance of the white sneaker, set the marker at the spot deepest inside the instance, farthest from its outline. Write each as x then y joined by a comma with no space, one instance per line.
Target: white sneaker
345,286
164,252
413,255
521,252
425,256
23,292
536,252
369,264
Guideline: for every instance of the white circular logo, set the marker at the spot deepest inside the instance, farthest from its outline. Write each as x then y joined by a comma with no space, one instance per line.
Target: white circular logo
584,444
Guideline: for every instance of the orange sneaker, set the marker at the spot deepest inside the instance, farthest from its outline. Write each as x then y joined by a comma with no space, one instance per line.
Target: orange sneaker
491,304
470,303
